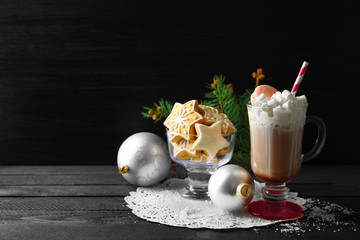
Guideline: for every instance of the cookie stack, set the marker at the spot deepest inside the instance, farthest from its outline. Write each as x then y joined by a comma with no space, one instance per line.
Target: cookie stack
198,132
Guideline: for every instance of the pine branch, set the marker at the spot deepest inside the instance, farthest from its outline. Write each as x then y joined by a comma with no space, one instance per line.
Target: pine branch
223,98
160,110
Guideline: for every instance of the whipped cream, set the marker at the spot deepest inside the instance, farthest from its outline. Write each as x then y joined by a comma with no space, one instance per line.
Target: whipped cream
283,108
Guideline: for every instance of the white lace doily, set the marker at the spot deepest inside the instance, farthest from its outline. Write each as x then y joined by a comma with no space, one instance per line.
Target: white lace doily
162,203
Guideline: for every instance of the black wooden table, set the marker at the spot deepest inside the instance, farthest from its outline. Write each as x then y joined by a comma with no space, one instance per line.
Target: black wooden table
87,202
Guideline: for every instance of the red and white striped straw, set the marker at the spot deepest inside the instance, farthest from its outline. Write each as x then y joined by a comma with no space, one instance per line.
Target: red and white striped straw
299,77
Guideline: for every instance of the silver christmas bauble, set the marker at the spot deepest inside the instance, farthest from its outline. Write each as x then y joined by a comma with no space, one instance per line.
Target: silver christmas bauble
143,159
231,188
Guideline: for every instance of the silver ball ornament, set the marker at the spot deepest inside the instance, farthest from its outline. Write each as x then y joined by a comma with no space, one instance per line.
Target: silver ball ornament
231,188
143,159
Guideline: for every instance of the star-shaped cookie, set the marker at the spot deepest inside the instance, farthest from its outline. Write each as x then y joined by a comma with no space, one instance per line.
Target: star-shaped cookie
182,119
212,115
182,150
204,158
209,139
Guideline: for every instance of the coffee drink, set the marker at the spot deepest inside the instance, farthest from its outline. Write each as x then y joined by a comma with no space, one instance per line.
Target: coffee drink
276,130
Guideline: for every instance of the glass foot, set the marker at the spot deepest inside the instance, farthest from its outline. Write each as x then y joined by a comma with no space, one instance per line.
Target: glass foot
275,210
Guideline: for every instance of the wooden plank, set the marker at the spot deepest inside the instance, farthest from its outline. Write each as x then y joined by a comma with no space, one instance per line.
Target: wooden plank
312,181
306,190
42,204
67,216
28,175
48,204
325,189
101,209
328,174
58,170
69,230
108,218
66,179
66,191
90,179
308,173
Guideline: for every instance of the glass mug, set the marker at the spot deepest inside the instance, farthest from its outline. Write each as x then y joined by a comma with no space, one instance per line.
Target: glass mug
276,157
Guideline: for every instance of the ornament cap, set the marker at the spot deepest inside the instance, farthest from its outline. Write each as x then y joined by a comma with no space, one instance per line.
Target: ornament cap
244,190
123,169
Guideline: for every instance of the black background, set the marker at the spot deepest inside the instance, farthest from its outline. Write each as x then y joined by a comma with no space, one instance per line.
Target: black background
74,75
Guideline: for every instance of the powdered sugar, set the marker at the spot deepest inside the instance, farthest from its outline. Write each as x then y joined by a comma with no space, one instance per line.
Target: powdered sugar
320,216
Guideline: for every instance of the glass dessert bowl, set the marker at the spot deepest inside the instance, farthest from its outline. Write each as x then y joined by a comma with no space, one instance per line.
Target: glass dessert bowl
200,156
201,139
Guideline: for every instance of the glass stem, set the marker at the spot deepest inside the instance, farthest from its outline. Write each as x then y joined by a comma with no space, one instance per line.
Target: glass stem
198,183
275,192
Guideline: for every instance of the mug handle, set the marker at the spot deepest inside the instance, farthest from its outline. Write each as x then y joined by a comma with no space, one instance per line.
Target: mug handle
320,141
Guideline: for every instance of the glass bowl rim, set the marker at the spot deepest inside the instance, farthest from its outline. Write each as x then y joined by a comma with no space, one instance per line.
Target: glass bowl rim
196,135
